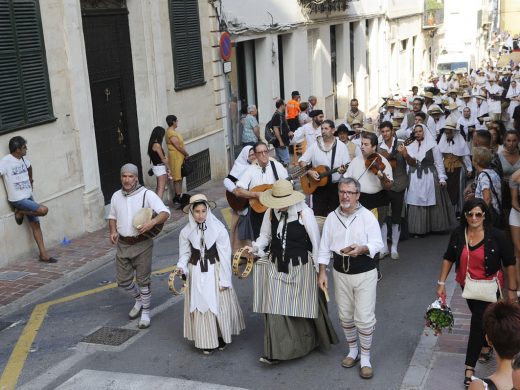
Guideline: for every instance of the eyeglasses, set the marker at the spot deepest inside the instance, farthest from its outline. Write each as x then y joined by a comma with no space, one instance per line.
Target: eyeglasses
262,152
349,193
478,214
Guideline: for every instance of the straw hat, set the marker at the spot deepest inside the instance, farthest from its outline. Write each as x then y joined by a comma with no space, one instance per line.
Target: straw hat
199,198
428,94
466,95
281,195
398,115
452,106
434,109
479,96
144,215
450,125
396,125
390,103
453,90
356,122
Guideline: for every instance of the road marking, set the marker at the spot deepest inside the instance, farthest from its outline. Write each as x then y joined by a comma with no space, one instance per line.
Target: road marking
16,361
226,213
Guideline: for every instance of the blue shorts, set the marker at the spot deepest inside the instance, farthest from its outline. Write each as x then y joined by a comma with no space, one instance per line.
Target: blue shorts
27,205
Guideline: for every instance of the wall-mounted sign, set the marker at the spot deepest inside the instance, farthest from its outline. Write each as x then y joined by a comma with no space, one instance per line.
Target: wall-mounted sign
225,46
227,67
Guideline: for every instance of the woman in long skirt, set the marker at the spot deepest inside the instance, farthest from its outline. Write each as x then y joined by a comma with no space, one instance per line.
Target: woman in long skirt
429,205
211,309
285,281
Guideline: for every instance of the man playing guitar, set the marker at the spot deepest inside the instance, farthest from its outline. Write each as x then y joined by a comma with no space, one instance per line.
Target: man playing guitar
265,171
327,151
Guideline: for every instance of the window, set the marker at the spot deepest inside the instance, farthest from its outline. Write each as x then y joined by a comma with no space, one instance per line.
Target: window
186,45
25,98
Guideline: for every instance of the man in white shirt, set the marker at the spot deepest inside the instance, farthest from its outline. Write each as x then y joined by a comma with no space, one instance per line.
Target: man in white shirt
329,152
309,131
134,243
467,124
17,175
409,119
351,235
266,171
354,113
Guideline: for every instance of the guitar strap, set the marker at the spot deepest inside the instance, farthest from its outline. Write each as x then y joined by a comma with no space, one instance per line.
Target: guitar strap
333,154
273,167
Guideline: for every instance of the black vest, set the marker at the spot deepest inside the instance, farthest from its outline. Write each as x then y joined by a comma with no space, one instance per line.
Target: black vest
210,255
297,245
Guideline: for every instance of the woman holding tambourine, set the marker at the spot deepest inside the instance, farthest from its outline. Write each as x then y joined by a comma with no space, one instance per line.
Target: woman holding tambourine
481,254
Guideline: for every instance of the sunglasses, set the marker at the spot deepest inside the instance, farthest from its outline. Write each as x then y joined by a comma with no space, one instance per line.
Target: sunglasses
478,214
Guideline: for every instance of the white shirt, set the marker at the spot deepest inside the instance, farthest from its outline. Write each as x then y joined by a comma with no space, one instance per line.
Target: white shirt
253,176
305,217
360,228
124,208
16,177
306,132
370,183
316,156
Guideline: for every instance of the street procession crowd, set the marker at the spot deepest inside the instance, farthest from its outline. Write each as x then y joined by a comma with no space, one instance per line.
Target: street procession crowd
447,154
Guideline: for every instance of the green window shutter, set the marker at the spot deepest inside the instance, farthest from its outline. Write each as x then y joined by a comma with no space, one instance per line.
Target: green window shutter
186,43
25,98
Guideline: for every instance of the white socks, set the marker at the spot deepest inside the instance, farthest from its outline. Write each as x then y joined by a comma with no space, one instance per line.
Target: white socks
396,233
365,338
350,330
146,295
384,236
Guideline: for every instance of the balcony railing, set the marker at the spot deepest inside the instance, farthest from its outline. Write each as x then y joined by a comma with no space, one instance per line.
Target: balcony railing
323,6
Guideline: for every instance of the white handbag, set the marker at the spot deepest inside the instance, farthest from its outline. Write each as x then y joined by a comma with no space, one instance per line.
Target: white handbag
479,290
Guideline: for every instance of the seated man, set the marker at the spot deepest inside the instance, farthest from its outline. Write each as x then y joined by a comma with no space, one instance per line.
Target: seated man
17,174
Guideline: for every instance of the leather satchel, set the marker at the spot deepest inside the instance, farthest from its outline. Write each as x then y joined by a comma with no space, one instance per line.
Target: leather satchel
479,289
186,168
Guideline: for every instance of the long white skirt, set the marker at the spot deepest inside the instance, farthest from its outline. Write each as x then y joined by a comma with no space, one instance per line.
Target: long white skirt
206,328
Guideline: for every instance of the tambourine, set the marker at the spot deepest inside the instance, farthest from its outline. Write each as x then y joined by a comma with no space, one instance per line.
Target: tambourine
236,263
171,282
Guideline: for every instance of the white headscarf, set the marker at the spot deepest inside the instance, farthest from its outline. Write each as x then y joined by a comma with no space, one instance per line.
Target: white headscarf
241,163
206,232
418,149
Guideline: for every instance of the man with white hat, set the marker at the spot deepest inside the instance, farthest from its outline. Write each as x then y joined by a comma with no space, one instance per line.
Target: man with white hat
481,111
133,238
409,119
438,117
428,101
494,100
467,101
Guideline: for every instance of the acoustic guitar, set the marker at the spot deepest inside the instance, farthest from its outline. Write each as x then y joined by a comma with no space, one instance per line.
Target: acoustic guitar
235,202
309,185
255,203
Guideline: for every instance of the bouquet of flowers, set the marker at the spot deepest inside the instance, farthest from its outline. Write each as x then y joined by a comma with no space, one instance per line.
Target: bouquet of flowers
438,317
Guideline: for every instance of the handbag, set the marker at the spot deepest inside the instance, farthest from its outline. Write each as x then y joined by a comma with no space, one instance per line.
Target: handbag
186,168
480,290
498,218
145,214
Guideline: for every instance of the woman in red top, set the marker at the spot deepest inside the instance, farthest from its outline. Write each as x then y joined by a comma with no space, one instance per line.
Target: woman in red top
489,254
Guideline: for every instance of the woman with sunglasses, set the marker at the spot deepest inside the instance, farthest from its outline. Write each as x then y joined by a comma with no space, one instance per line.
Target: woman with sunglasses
483,251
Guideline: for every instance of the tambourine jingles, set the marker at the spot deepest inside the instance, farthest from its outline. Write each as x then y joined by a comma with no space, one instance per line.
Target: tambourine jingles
171,282
236,263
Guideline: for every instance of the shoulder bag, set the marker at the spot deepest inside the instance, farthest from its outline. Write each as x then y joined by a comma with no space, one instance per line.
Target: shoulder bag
479,290
186,168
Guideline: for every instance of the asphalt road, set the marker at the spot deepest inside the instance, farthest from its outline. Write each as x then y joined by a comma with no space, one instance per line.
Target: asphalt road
407,287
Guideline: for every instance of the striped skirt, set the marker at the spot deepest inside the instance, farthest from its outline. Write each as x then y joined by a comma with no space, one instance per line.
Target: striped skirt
292,294
206,328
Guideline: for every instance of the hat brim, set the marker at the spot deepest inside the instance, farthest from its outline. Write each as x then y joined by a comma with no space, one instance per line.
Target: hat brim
209,203
268,200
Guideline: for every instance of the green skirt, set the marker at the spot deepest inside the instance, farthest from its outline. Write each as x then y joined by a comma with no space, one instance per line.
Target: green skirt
288,338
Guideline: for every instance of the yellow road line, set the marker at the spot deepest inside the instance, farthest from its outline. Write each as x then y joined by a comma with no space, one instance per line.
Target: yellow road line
21,350
226,213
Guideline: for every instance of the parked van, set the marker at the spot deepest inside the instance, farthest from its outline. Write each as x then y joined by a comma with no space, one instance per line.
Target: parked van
456,62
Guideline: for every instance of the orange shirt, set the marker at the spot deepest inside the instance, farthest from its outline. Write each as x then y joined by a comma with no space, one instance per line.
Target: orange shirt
293,109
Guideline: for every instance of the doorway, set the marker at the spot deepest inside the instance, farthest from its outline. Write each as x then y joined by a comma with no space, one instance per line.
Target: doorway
109,61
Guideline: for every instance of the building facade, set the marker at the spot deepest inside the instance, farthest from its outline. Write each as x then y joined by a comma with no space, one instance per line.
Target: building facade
85,82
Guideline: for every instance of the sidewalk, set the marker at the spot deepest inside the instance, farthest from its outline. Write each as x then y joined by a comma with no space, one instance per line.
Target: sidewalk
438,361
28,280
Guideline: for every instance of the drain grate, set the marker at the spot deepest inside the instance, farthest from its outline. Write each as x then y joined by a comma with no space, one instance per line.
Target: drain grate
4,325
12,275
110,336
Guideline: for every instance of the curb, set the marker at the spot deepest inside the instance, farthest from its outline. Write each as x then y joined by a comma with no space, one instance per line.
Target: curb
423,356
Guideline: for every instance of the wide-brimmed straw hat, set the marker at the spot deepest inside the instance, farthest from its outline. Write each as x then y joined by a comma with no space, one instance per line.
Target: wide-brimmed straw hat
281,195
428,94
398,115
434,109
199,198
452,106
465,95
450,125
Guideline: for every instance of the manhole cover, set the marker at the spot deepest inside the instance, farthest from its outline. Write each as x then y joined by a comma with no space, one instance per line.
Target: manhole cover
110,336
4,324
13,275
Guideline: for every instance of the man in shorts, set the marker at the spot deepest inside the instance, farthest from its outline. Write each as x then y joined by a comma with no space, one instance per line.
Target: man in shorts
17,174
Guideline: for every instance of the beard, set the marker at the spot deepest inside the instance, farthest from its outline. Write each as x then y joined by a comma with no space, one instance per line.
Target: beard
345,204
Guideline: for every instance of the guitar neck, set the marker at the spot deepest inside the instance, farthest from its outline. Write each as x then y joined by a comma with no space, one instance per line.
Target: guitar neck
331,172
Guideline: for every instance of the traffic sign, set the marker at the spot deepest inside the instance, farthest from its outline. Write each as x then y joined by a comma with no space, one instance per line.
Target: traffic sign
225,46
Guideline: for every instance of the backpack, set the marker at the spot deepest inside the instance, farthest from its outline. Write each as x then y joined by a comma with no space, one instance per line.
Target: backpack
269,132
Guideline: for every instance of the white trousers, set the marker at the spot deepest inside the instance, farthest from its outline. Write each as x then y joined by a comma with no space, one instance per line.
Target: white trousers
356,297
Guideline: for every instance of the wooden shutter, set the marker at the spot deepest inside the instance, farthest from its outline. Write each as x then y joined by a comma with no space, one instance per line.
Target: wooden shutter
24,85
186,44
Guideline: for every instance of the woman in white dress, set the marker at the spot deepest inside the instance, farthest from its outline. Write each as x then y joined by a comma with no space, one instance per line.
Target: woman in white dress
429,205
513,94
211,309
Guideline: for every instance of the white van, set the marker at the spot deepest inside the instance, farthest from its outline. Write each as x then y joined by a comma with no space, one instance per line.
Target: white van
456,62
